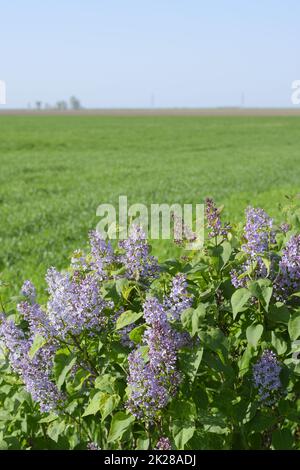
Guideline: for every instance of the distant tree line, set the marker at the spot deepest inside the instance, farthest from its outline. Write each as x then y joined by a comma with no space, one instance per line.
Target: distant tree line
62,105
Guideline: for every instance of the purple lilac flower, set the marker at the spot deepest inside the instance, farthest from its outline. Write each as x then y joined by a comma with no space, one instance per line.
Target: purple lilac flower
182,232
258,232
139,264
284,227
235,277
259,235
28,290
175,303
35,372
152,382
93,446
36,318
266,378
75,304
288,279
178,299
146,394
214,223
159,337
164,444
102,254
79,261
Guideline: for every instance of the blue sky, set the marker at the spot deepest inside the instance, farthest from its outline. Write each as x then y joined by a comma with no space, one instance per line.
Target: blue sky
119,53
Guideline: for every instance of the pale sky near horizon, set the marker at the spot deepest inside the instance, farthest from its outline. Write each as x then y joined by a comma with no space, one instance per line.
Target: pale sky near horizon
136,53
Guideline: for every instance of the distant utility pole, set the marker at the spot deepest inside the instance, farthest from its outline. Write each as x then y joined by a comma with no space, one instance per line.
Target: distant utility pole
152,100
242,100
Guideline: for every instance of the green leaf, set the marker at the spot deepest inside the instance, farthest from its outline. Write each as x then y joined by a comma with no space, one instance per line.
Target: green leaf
216,341
63,363
103,402
105,383
5,415
183,425
94,404
221,254
226,252
244,362
126,318
239,300
294,326
142,442
182,432
267,264
122,285
124,288
282,439
279,313
49,418
38,342
55,430
295,294
189,361
278,343
107,404
192,318
215,423
262,290
3,445
253,334
262,421
120,423
137,333
202,440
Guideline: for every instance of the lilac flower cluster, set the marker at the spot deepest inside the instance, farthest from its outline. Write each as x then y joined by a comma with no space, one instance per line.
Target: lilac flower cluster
152,383
259,236
175,303
75,303
35,372
266,378
139,264
164,444
182,232
288,279
178,299
159,337
100,258
36,317
214,223
258,232
102,254
93,446
29,291
284,227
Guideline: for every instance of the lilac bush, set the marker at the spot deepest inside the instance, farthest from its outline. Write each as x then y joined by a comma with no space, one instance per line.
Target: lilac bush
127,353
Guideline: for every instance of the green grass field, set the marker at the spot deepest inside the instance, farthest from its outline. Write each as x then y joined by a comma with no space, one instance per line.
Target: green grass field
55,171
